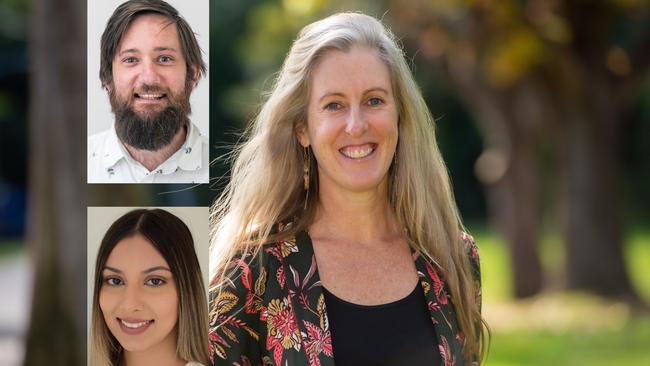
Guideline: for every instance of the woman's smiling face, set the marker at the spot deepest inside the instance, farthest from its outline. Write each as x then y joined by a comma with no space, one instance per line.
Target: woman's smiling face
351,120
138,297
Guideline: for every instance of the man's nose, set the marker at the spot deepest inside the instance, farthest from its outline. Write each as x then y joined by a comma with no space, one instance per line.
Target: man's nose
149,74
356,124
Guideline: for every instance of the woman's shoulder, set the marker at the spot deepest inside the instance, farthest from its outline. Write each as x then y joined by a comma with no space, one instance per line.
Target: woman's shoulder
193,364
265,256
470,245
280,244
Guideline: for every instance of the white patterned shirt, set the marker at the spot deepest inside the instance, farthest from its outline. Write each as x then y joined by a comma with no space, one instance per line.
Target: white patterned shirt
110,162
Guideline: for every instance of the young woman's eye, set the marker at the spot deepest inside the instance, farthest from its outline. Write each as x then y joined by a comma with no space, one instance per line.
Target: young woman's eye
155,282
113,281
333,106
373,102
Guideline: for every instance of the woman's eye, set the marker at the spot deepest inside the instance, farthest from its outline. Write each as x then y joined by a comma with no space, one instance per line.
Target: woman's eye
113,281
375,102
155,282
130,60
165,59
333,106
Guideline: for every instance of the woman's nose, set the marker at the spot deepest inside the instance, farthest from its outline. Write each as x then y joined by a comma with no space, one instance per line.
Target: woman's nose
132,299
356,124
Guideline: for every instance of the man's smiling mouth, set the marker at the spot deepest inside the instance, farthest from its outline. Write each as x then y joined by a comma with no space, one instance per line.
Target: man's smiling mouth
149,96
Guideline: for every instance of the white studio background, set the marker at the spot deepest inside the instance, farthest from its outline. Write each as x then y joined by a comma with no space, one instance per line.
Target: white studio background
101,218
100,117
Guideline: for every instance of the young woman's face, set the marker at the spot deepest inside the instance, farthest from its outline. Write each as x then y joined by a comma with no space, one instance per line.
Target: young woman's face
352,120
138,297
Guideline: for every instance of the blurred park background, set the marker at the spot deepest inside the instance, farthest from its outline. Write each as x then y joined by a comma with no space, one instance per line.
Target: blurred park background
543,112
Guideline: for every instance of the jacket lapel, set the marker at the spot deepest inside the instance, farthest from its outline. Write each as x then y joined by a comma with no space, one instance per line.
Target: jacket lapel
308,303
441,309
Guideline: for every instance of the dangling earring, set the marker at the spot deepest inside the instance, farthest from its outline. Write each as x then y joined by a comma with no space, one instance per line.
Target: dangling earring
306,163
305,168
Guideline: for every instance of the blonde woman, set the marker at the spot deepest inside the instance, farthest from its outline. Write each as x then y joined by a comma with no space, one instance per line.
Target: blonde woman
149,304
338,239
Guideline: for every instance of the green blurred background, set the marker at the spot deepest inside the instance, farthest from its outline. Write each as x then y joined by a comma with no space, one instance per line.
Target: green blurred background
543,112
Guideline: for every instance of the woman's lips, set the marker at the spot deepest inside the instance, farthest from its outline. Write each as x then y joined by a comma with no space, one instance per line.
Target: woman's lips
358,151
133,327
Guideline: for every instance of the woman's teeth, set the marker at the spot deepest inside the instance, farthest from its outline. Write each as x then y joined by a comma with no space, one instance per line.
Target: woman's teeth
357,152
135,325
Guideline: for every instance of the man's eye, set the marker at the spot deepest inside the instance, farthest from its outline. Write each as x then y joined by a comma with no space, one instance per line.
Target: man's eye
155,282
113,281
375,102
130,60
165,59
333,106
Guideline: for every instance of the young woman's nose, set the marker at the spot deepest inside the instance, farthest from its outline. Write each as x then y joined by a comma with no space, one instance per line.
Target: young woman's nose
132,299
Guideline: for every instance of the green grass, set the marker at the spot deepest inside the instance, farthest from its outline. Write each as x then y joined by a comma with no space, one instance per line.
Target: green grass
563,328
638,260
626,346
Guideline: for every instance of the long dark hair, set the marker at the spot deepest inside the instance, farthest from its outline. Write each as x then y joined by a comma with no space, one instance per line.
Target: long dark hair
173,240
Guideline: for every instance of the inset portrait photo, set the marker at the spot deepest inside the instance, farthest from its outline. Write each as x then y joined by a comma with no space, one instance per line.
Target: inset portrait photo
148,91
147,278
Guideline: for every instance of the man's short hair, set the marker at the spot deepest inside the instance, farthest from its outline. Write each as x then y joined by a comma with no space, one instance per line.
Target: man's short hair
121,19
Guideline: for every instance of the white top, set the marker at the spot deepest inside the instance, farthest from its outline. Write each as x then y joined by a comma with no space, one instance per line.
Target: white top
110,162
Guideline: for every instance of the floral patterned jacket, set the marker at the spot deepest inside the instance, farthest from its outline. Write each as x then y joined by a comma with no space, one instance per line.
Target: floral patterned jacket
272,311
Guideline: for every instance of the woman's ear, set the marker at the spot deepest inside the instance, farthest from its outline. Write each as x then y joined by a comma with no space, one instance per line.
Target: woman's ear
301,134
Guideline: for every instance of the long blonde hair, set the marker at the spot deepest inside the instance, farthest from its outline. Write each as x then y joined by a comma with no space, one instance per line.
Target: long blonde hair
266,184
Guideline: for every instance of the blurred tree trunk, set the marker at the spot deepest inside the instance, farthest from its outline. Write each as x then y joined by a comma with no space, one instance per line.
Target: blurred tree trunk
593,233
508,168
56,211
520,183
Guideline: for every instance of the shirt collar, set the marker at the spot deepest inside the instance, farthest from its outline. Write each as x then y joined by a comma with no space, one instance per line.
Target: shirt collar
188,157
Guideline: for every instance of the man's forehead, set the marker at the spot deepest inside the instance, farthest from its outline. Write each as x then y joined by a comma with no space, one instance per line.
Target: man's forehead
150,32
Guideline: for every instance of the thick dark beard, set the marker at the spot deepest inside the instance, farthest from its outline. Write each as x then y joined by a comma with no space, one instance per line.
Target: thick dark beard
151,131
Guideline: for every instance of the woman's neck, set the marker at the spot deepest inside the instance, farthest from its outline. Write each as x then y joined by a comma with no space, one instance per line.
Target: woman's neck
361,217
162,354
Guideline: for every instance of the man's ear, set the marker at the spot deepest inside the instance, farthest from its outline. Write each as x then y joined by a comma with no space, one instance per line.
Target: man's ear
196,75
301,134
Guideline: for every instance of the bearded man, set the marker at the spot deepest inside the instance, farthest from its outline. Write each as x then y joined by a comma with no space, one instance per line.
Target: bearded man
150,63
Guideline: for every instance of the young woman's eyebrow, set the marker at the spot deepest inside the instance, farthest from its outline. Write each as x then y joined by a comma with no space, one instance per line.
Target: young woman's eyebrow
148,270
113,269
157,268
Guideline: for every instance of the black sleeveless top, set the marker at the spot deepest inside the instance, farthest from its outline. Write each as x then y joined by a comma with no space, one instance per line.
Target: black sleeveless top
397,333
